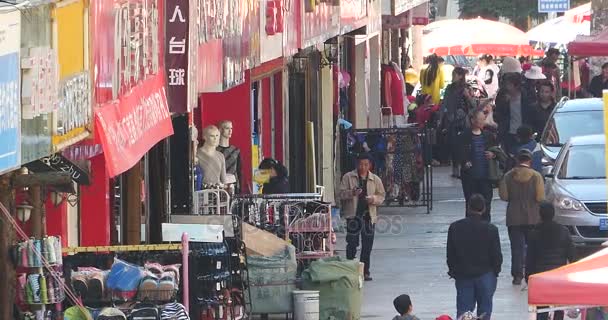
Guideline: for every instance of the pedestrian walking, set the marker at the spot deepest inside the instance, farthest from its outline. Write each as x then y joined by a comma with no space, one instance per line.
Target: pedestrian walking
525,136
549,247
512,111
523,189
474,259
432,79
361,192
599,83
454,109
543,108
488,73
552,71
403,305
532,77
474,157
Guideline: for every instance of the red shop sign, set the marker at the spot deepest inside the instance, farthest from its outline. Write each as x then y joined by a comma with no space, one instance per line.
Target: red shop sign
129,127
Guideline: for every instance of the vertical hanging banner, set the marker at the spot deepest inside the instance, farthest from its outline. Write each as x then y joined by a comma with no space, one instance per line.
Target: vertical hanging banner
40,77
176,54
10,111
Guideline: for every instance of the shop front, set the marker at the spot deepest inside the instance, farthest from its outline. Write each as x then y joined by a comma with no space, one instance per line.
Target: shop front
227,97
131,118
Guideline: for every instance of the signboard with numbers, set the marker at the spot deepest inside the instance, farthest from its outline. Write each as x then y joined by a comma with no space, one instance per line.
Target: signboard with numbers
553,5
10,106
176,54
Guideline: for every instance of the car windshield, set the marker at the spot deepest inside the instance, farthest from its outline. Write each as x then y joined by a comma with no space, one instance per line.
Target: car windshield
565,125
584,162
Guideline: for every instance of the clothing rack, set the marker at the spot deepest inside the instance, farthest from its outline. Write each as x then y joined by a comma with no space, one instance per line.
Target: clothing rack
413,185
183,247
285,196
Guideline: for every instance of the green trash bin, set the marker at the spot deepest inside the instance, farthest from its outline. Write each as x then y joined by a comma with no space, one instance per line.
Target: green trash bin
340,288
272,281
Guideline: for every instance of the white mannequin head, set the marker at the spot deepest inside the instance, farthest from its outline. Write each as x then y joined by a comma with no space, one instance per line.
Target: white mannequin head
211,134
225,127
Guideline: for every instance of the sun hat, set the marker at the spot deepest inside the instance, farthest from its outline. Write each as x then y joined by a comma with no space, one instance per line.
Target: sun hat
535,73
510,65
411,76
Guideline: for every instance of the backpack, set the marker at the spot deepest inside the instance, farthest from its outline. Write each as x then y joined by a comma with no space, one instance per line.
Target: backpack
145,311
174,311
111,314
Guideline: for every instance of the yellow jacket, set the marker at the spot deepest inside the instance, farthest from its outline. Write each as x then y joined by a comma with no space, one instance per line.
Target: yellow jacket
435,88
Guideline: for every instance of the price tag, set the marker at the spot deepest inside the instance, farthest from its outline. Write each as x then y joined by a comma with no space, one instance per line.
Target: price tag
218,265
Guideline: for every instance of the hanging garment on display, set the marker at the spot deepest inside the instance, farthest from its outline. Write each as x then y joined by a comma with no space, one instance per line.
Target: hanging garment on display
393,91
398,156
214,167
232,156
49,247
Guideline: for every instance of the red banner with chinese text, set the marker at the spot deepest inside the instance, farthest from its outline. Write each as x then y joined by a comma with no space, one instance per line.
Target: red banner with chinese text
129,127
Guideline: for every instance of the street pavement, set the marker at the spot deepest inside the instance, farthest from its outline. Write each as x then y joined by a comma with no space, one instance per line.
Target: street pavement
409,257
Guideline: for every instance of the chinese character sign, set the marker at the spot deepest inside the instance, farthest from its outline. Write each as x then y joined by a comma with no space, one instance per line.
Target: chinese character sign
40,79
10,111
553,5
176,54
74,112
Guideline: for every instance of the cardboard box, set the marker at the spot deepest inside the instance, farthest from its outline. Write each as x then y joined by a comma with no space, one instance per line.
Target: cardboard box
261,242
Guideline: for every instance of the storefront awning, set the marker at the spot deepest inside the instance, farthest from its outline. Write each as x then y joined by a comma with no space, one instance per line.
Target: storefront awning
581,283
131,126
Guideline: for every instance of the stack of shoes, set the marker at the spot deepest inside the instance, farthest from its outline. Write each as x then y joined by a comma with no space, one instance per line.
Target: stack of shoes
89,283
160,282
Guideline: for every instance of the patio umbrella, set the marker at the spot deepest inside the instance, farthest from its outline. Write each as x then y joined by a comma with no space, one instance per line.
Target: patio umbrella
476,36
579,14
558,31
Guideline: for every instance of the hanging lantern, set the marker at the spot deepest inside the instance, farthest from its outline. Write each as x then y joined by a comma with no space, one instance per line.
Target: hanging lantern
24,211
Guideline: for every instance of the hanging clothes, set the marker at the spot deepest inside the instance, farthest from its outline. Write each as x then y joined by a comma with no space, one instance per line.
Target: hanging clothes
393,90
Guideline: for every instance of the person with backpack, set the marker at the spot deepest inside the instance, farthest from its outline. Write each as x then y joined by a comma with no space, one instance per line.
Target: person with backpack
525,136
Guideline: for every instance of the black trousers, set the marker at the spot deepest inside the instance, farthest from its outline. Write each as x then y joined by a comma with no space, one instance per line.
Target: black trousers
471,186
363,228
519,235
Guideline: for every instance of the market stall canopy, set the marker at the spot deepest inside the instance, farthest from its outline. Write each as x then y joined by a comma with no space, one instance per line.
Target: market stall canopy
581,283
474,37
590,46
558,31
579,14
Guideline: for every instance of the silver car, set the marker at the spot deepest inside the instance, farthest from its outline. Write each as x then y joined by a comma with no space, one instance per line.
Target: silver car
571,118
577,188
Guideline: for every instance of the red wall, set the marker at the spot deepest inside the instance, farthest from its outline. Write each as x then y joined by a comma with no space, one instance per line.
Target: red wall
233,105
95,206
266,119
278,115
57,220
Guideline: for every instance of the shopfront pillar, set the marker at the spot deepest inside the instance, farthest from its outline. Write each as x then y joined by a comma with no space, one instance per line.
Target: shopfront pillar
95,206
7,234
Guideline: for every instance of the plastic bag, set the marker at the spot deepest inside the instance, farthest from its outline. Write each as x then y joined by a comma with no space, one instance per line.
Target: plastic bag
124,276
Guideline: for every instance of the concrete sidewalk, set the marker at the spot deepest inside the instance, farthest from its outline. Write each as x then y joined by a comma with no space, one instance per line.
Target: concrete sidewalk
409,257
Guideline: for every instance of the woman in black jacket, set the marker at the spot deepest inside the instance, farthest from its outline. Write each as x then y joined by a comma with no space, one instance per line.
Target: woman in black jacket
474,156
549,247
279,181
454,109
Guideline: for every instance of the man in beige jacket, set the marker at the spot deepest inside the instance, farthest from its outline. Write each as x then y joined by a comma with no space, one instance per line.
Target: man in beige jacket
360,193
523,188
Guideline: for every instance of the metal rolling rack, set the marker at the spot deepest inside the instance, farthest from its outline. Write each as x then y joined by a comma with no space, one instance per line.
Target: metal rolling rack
300,218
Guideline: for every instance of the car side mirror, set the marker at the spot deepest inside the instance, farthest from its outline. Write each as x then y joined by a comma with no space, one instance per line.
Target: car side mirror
548,172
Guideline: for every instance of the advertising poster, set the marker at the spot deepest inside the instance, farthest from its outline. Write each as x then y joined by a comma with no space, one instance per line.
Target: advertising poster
10,106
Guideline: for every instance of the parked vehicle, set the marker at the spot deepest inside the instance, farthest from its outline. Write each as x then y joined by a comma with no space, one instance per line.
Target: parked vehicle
571,118
577,188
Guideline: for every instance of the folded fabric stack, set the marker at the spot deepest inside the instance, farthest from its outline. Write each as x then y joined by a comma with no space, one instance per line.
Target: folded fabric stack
38,288
48,247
